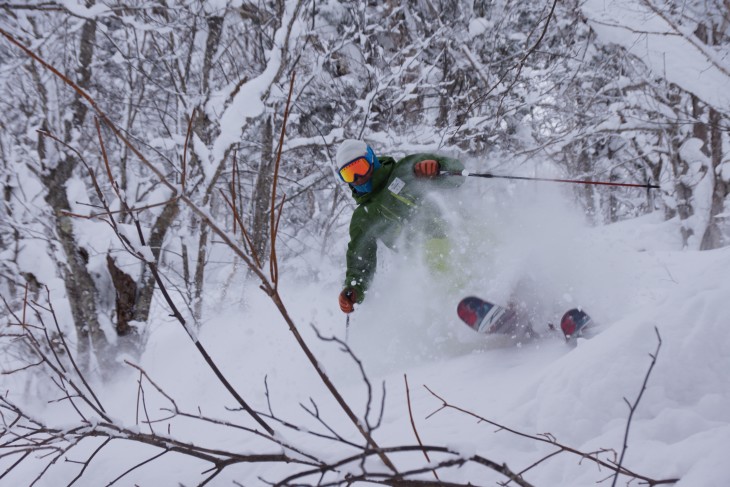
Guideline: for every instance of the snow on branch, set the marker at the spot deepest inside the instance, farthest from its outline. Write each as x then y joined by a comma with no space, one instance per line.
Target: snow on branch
669,51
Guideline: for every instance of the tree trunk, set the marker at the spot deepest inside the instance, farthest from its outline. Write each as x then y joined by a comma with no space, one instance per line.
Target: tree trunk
714,236
200,270
203,126
156,239
262,192
587,190
205,129
125,298
80,287
684,193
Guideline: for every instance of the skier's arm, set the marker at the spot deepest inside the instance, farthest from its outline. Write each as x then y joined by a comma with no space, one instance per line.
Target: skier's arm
451,165
444,164
361,255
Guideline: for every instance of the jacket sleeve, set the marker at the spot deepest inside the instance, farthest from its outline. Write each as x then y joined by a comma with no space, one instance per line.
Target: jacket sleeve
451,165
361,255
445,164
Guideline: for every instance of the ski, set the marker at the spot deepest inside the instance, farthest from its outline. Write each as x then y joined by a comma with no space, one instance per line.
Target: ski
489,318
575,324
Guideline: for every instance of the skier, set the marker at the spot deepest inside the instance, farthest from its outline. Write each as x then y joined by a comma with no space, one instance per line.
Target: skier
392,204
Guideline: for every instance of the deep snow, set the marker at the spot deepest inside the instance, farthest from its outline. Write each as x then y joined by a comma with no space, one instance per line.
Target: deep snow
522,239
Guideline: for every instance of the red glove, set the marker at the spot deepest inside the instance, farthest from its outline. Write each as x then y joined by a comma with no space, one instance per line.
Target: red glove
426,169
348,298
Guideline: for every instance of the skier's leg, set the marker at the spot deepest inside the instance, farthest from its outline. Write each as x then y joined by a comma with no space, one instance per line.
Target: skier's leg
522,322
440,259
436,254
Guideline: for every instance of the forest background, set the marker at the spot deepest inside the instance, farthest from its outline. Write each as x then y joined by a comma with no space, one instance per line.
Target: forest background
170,129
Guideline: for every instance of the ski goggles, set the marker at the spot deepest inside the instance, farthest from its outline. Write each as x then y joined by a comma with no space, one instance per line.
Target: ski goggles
359,167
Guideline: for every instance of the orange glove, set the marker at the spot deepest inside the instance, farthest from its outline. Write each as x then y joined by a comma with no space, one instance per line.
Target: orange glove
426,169
348,298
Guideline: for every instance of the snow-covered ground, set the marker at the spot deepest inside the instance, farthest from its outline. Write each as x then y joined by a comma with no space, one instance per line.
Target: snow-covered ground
521,240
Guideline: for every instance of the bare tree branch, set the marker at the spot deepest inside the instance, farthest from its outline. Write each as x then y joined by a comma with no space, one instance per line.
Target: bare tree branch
635,404
413,423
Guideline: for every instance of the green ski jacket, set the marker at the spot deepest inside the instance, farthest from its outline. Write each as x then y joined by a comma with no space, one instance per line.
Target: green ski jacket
397,206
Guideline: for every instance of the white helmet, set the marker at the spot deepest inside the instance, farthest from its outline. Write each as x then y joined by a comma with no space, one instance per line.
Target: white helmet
349,150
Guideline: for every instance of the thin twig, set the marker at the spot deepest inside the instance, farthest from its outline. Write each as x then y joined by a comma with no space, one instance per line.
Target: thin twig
361,367
88,461
413,423
232,187
632,407
135,209
75,366
246,237
141,464
188,135
399,478
273,264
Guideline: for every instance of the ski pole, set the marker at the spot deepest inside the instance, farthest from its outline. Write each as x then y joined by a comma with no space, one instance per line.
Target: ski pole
527,178
348,294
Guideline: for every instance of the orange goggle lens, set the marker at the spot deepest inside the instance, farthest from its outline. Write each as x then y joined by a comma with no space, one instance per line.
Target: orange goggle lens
358,167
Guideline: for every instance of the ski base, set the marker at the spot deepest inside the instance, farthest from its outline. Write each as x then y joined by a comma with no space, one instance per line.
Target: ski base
488,318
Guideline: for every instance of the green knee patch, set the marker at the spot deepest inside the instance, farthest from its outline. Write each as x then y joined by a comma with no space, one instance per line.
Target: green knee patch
437,252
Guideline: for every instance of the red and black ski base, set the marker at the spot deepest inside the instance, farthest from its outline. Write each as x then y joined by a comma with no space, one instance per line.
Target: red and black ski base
489,318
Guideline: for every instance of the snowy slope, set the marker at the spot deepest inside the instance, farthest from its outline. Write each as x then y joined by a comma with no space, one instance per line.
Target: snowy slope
630,276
